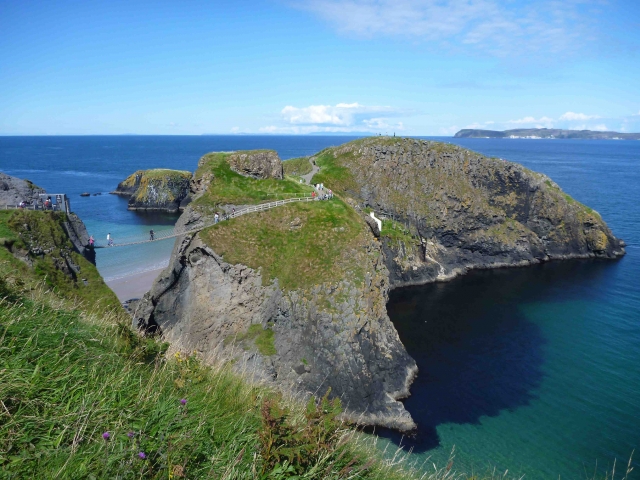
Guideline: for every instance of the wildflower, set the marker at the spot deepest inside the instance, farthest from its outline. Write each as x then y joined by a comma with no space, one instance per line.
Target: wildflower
130,434
142,455
106,435
183,401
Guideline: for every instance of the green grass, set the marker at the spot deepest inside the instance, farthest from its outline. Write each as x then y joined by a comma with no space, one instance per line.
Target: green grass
229,187
68,377
262,338
45,230
297,166
333,173
397,232
323,248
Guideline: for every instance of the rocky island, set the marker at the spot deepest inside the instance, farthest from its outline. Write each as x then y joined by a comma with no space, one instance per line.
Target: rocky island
157,189
297,295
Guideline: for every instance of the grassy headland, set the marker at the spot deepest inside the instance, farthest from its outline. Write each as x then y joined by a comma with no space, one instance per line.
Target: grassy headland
300,244
40,240
230,187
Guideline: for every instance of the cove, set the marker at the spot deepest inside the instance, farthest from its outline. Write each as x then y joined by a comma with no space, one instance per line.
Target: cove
516,368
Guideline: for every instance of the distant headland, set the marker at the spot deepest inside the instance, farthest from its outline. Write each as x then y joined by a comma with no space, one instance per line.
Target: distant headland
536,133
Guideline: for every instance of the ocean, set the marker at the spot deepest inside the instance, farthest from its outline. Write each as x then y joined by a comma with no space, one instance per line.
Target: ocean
535,370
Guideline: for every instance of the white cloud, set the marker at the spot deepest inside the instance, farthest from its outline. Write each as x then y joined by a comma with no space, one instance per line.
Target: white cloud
343,114
495,27
577,116
537,122
235,129
449,130
339,118
600,127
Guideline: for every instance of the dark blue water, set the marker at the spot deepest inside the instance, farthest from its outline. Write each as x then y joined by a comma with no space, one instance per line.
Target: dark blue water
535,369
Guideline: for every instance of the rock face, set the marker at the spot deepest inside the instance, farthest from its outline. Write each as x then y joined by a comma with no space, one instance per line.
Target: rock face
15,190
461,210
334,336
257,164
158,189
77,233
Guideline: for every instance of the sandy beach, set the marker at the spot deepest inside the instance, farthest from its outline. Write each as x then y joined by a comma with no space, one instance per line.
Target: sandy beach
133,286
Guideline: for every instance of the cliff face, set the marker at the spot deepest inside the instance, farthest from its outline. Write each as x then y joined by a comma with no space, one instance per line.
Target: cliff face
307,322
450,209
158,189
260,164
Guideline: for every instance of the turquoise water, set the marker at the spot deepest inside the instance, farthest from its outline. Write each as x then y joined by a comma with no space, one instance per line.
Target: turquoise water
535,370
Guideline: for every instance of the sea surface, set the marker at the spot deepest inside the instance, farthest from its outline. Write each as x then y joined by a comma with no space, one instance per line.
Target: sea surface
535,370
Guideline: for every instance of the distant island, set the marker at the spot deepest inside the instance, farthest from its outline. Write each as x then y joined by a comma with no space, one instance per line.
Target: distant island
546,133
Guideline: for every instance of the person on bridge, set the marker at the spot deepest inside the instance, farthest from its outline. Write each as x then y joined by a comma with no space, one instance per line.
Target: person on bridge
91,241
151,234
109,240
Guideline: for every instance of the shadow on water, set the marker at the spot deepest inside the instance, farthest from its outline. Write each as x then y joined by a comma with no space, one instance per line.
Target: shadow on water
476,351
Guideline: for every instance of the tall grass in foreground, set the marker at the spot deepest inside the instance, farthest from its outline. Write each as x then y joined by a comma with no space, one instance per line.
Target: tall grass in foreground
85,398
82,396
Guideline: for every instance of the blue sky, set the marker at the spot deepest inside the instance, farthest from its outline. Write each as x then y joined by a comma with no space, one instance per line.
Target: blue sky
413,67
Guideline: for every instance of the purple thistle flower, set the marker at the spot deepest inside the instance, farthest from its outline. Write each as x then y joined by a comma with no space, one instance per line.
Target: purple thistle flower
183,401
142,455
130,434
106,435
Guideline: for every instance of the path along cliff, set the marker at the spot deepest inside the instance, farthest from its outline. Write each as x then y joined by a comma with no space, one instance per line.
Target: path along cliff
297,295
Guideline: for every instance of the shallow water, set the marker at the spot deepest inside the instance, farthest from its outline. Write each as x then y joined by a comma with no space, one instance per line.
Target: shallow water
533,369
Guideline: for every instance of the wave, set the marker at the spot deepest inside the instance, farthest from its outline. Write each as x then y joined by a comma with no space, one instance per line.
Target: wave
138,271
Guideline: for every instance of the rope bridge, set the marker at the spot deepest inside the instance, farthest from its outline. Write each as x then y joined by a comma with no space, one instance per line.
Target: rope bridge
176,232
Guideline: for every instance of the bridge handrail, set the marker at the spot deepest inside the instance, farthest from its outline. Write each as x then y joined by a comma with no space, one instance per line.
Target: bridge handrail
243,211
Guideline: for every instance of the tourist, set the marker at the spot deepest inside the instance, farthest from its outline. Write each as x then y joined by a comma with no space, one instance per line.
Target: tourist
109,240
313,195
91,241
151,234
216,217
233,212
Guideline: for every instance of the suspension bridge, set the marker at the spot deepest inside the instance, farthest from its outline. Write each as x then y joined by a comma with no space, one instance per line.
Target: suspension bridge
177,232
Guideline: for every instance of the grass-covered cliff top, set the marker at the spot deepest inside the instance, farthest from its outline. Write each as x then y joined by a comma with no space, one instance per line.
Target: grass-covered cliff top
443,184
229,187
39,238
162,174
297,166
300,244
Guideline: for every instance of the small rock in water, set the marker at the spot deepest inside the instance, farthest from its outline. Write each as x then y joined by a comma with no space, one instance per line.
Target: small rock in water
96,194
85,194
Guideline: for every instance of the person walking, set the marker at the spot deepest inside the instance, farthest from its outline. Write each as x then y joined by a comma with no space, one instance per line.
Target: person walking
109,240
216,218
151,234
91,241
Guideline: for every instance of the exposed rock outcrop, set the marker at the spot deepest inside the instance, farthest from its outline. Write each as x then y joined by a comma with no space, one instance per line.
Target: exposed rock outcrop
334,335
15,190
257,164
462,210
157,189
